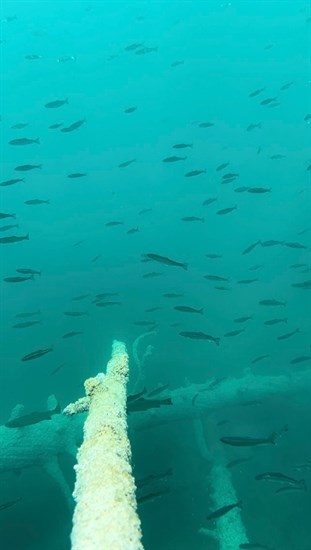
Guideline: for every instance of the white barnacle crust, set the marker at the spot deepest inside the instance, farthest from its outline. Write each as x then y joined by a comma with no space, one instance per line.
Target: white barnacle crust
105,515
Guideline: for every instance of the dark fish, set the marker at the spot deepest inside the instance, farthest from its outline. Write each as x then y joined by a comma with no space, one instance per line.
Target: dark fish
305,285
19,126
193,173
143,404
134,46
268,101
259,358
76,175
280,478
223,510
36,354
132,231
287,85
33,57
295,245
70,334
182,145
26,324
130,110
256,92
126,163
177,63
173,159
296,266
75,313
37,201
73,126
222,288
66,58
277,157
246,281
8,227
192,219
215,278
133,397
226,210
242,319
166,261
153,477
288,334
57,369
259,190
230,176
207,202
6,183
238,461
152,309
300,359
55,126
158,390
233,333
28,271
80,297
112,224
251,127
27,314
222,166
57,103
213,256
14,239
255,267
271,242
152,274
24,141
18,279
241,189
276,321
9,504
187,309
93,260
143,51
272,302
27,167
249,441
144,211
172,295
251,247
206,124
200,336
144,323
32,418
290,488
107,304
106,295
152,496
228,180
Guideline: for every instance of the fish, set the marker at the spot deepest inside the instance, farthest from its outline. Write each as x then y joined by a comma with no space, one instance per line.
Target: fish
242,319
255,267
276,321
32,418
206,124
306,285
75,313
207,202
132,231
66,58
250,247
230,176
57,103
296,266
223,510
182,145
76,175
213,256
126,163
57,369
272,302
152,496
37,354
252,545
287,85
18,279
172,295
143,51
107,304
259,190
238,461
26,315
8,227
242,189
144,323
194,173
271,242
280,478
113,223
249,441
295,245
106,295
288,334
158,390
26,324
151,309
268,100
14,239
177,63
246,281
224,211
256,92
165,260
153,477
192,219
251,127
9,504
199,336
24,141
233,333
144,211
80,297
93,260
259,358
290,488
300,359
6,183
27,167
28,271
135,396
130,110
134,46
174,158
143,404
37,201
216,278
55,126
73,126
278,157
71,334
222,166
187,309
19,126
33,57
152,274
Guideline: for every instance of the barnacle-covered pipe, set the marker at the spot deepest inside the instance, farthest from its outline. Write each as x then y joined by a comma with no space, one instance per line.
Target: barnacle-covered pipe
105,515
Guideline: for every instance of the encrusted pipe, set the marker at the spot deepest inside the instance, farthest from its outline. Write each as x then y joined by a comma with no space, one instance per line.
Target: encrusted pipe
105,516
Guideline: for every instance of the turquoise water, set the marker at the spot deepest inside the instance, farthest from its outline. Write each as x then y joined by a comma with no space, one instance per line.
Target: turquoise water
176,66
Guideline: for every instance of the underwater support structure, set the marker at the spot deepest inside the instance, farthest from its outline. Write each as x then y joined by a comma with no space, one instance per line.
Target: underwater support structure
105,515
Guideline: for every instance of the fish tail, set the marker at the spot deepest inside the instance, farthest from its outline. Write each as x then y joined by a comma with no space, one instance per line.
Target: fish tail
273,438
239,504
201,310
185,266
217,341
27,237
37,141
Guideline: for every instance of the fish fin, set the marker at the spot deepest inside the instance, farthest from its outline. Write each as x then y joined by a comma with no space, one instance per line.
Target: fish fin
17,411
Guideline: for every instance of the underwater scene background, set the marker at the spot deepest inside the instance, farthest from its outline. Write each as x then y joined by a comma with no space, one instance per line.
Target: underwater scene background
155,178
